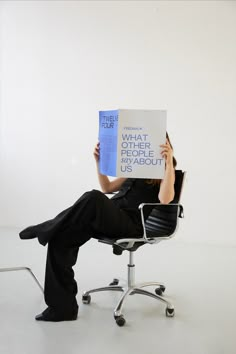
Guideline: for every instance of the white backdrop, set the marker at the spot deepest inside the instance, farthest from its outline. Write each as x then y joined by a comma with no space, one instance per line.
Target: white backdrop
60,62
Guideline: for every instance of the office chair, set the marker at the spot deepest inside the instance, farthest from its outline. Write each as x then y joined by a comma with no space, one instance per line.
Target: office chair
12,269
161,225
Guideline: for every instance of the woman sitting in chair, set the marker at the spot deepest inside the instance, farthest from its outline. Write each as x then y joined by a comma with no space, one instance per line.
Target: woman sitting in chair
94,214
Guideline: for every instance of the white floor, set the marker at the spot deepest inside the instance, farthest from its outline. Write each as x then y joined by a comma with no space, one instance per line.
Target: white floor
200,280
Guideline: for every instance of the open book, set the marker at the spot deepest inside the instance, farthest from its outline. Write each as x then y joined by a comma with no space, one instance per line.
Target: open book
130,143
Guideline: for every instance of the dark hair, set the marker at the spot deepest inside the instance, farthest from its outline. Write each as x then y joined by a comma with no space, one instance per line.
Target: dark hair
174,159
158,181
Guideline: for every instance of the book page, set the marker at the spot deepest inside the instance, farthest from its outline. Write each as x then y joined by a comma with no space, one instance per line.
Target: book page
108,129
140,134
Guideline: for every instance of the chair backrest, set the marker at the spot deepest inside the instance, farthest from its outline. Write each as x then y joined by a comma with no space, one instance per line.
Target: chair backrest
179,182
163,220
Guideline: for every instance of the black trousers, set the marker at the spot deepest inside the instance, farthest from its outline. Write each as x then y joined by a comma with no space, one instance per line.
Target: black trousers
93,215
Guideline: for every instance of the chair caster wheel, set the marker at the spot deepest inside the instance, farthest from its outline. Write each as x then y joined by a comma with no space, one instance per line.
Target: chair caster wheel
170,312
86,299
114,282
120,321
159,291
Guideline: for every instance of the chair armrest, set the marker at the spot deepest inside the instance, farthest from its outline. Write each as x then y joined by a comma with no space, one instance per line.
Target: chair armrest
144,239
180,207
179,213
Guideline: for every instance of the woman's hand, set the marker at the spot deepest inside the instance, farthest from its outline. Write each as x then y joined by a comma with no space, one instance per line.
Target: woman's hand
96,152
167,153
167,192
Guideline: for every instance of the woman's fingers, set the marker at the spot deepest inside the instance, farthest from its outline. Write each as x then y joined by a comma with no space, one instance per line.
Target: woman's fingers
96,151
166,147
166,151
97,146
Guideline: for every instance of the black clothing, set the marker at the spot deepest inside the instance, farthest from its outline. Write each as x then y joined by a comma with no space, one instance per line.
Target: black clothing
50,315
93,215
134,192
84,216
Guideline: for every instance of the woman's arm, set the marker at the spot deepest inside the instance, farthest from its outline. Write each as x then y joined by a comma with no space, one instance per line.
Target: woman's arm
107,186
167,192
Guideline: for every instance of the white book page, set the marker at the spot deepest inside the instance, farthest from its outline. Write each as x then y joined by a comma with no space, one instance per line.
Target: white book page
140,134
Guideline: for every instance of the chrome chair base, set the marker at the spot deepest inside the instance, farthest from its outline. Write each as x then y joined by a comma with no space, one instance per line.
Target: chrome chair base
131,289
27,269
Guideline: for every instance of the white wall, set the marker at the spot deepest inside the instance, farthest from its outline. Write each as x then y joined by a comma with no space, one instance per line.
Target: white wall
63,61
